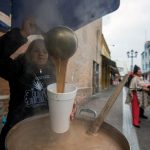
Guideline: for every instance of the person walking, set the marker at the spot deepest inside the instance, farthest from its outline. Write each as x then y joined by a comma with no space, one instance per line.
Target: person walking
135,88
143,98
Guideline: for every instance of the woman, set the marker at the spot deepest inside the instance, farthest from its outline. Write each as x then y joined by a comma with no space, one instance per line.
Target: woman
136,88
28,76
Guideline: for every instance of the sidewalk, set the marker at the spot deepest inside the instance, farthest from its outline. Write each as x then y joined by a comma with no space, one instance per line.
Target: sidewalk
143,133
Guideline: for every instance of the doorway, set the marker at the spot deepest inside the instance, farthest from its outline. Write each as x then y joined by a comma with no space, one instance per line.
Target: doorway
95,77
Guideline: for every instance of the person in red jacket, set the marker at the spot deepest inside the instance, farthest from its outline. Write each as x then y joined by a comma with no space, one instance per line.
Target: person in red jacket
136,87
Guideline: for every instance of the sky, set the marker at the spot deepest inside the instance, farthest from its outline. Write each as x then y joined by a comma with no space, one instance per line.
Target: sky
127,28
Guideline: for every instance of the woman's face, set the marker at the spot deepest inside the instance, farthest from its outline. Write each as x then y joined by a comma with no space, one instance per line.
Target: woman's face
139,72
39,54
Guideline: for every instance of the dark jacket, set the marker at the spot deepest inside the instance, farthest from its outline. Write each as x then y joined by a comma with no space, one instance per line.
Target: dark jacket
27,85
10,42
28,94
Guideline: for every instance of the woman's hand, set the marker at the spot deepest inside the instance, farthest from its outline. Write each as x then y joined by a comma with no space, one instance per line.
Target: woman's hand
145,88
74,109
131,96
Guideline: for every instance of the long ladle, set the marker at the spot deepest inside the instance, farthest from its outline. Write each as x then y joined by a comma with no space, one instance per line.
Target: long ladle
61,43
95,126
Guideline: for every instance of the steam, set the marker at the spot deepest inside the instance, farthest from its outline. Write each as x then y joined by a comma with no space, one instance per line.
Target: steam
48,14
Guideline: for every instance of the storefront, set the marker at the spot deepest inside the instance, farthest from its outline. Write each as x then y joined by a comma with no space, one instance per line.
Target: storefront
109,70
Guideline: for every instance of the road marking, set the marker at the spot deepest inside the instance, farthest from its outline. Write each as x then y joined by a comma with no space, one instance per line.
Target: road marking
128,129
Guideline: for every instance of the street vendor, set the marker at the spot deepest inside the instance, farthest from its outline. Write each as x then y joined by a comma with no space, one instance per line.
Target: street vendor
26,65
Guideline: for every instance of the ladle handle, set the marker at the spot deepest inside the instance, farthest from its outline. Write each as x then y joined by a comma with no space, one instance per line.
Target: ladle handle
94,128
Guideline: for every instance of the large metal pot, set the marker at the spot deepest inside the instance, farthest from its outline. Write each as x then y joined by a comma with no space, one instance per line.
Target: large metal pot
35,134
61,42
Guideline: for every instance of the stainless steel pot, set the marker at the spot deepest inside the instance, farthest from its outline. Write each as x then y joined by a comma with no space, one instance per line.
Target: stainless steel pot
35,134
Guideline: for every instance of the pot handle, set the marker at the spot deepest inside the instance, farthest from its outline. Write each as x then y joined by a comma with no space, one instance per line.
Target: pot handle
88,110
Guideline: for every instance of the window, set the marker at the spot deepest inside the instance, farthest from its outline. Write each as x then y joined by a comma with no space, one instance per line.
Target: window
145,54
143,67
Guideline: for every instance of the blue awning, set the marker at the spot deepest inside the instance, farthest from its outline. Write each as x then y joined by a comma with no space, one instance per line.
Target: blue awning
5,8
50,13
4,27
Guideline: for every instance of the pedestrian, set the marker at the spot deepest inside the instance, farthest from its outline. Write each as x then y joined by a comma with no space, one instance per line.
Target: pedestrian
136,87
117,79
144,99
127,85
28,76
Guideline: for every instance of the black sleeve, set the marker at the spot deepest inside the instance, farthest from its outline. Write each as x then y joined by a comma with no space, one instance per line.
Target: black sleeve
9,69
10,42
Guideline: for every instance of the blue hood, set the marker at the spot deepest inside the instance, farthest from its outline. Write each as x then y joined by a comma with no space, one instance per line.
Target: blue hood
50,13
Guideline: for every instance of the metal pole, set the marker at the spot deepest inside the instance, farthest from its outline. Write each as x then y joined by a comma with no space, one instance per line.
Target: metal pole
131,63
132,54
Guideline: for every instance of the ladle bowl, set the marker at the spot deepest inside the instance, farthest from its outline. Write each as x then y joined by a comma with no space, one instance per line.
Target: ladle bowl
61,42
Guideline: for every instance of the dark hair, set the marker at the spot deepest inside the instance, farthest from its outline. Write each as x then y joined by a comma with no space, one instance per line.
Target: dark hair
127,84
136,68
33,43
25,58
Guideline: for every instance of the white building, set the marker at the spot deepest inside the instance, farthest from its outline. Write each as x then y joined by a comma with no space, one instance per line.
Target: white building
145,59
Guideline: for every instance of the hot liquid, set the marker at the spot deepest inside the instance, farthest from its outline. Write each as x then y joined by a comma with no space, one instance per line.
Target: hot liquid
61,68
40,137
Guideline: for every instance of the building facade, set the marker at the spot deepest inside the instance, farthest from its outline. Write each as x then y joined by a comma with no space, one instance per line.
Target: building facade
109,69
84,67
145,59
